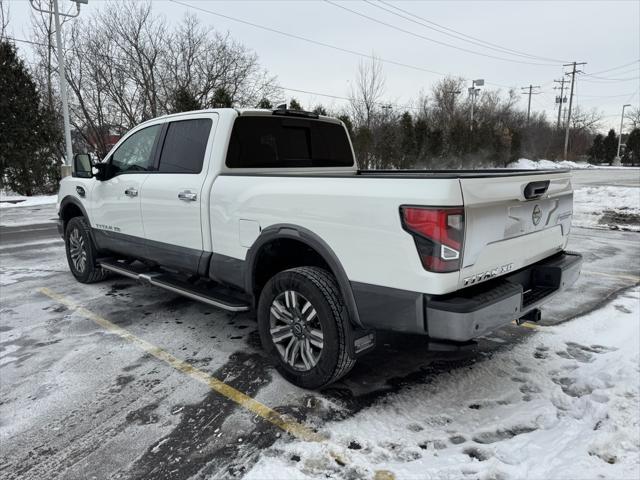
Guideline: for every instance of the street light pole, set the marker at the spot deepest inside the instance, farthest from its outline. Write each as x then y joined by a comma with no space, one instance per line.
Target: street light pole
620,135
66,168
63,93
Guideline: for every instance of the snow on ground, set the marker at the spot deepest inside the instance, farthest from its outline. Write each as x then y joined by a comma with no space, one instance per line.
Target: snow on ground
17,217
14,201
608,207
526,164
564,404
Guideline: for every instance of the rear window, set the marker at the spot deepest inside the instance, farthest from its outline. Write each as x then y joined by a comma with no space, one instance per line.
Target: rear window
276,142
184,146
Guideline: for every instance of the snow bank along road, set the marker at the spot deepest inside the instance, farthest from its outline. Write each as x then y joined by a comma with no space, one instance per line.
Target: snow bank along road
118,380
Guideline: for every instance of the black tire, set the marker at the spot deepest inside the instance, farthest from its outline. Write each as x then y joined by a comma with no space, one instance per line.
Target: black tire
318,288
81,252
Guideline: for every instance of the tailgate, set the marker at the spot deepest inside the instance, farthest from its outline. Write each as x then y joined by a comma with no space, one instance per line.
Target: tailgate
513,221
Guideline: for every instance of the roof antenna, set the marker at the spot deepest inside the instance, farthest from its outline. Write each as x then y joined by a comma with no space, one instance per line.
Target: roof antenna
282,106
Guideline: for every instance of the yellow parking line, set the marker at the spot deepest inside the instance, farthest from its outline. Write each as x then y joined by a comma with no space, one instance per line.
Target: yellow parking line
632,278
289,425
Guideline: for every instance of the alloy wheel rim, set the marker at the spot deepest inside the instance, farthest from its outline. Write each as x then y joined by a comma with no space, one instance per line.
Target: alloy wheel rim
77,251
296,330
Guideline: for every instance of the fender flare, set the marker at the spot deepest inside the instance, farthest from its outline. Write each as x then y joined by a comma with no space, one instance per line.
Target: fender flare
71,200
313,241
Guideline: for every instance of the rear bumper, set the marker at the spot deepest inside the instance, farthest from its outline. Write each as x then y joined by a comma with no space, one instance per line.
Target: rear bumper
472,312
478,310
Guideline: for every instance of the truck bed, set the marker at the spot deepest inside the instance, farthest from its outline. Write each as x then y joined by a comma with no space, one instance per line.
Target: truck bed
480,173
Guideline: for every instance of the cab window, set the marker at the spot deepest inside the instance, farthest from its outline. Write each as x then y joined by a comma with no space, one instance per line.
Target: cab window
136,153
184,146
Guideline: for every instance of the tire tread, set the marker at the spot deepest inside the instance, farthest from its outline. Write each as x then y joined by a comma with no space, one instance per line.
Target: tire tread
325,282
96,273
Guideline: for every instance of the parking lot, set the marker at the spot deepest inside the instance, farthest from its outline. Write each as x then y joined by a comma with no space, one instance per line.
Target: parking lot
119,380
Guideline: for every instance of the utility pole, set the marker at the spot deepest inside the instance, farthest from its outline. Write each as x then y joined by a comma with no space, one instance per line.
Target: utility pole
620,135
66,168
531,92
561,99
573,81
473,91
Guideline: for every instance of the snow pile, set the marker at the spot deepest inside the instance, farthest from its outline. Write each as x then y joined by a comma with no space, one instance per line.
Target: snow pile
608,207
526,164
12,201
565,404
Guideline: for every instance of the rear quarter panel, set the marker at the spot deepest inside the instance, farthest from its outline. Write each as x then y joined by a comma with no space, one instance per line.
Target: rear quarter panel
357,217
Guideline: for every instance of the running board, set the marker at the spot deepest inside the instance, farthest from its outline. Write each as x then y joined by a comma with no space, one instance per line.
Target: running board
163,280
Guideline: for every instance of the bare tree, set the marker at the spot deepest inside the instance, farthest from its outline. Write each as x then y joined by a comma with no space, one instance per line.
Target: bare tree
366,94
585,121
446,101
633,116
125,65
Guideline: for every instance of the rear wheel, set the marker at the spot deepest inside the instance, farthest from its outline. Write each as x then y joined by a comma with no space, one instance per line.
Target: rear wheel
81,252
302,323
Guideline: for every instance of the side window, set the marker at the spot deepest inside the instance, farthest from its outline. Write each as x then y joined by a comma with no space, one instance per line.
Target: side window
184,146
135,154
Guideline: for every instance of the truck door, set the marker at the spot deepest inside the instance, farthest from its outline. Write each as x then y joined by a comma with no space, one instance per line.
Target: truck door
172,199
115,205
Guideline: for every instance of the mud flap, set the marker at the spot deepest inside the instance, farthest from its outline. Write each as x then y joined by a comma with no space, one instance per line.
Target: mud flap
360,341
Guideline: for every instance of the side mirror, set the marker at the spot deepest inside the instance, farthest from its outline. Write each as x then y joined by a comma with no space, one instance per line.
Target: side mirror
82,165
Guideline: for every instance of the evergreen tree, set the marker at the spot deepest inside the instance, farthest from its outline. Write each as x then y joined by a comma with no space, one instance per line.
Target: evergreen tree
294,105
421,132
222,98
633,145
408,139
610,144
320,110
347,123
30,135
184,101
265,103
596,152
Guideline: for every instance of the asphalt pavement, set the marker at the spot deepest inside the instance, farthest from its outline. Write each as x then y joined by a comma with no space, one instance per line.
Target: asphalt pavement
119,380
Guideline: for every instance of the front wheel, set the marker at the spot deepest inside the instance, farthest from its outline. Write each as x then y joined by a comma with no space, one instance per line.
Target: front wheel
302,322
81,252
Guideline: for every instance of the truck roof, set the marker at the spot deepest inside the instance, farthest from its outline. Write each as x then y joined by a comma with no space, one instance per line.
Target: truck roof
245,112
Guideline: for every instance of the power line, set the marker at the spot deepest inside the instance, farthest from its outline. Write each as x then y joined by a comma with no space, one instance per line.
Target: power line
309,40
417,35
610,80
624,72
456,34
326,45
613,68
309,92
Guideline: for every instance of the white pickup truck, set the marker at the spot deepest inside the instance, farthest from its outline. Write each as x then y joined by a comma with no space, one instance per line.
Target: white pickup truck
267,211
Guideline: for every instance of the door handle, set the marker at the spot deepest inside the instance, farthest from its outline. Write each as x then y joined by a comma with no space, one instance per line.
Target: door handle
187,196
131,192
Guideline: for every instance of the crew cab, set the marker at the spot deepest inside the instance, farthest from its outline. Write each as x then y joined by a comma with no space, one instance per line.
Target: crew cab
267,211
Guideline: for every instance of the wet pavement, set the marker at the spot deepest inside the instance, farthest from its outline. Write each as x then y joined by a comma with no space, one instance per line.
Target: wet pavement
78,401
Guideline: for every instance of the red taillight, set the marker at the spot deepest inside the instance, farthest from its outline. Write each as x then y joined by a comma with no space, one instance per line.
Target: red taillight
439,235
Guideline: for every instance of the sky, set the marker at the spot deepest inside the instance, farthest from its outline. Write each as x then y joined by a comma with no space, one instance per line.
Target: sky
605,34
